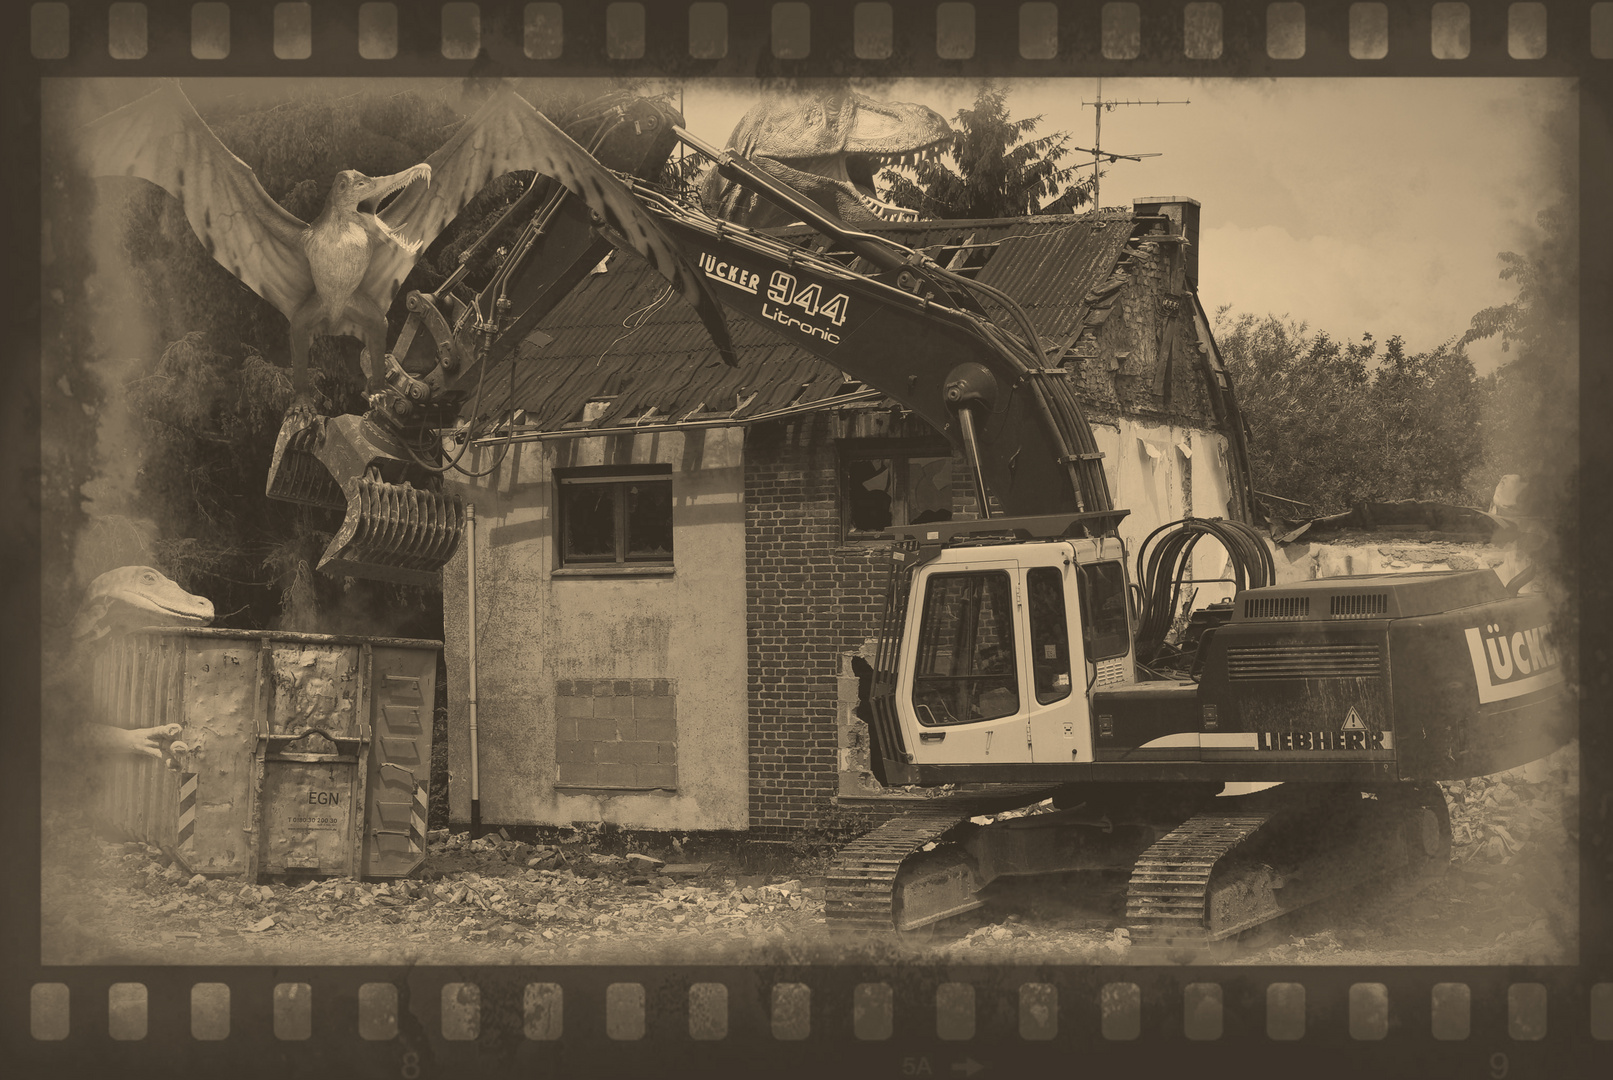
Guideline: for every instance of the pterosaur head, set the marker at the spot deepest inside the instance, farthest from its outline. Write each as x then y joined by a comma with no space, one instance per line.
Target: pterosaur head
351,188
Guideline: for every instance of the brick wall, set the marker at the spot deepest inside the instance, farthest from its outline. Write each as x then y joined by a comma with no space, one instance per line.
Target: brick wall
812,599
616,734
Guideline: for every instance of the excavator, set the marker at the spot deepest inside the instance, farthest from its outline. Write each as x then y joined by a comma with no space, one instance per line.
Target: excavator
1267,751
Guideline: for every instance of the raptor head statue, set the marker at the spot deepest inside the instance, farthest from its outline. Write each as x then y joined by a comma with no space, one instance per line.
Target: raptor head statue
134,596
828,146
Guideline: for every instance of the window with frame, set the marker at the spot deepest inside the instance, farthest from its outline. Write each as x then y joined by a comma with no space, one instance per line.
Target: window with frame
1102,589
887,482
965,667
615,518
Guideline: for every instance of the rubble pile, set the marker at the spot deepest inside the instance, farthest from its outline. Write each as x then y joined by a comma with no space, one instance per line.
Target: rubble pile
491,889
1495,819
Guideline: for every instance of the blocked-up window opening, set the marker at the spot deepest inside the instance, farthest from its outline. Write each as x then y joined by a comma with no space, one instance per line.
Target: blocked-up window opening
615,520
1050,635
882,490
965,669
1102,588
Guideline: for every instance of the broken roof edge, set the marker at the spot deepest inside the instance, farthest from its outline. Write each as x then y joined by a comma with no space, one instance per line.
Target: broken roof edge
1106,213
695,421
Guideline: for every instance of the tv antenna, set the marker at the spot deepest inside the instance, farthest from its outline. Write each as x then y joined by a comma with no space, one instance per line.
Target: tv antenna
1097,151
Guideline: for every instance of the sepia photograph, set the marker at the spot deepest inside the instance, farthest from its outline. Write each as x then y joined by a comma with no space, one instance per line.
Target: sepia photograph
518,521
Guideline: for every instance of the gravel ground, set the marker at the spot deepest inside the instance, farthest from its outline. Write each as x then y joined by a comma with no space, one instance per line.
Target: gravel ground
1509,897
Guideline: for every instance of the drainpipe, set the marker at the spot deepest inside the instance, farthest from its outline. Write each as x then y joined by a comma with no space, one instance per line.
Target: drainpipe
470,623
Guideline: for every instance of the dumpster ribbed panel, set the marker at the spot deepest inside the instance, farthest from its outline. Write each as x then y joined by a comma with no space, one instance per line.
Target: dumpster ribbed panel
214,684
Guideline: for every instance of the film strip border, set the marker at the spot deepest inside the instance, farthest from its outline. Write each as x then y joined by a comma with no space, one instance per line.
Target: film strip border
843,37
943,1015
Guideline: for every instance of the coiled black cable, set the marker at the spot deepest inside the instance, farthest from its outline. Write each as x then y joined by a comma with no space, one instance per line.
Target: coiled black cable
1164,563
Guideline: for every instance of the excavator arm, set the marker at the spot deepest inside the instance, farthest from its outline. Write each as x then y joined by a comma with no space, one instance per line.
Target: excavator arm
960,354
917,337
384,470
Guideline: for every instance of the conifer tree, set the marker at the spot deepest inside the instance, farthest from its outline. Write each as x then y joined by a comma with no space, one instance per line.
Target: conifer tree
992,172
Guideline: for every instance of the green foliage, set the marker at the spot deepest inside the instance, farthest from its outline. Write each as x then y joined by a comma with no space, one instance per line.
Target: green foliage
69,398
1531,407
996,175
1531,411
1335,423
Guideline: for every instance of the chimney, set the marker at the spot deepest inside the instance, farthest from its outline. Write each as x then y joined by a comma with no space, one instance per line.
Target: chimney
1183,213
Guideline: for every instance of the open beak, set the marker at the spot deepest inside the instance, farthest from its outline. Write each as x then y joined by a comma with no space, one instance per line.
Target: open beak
375,188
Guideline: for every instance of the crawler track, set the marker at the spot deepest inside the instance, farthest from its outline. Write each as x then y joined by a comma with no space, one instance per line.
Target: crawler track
861,884
1168,896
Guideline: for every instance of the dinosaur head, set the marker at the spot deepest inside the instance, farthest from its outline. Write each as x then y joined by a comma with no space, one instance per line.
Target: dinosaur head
351,188
133,596
829,146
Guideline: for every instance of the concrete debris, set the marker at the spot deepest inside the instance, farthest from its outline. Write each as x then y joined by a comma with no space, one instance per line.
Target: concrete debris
1494,818
644,861
694,869
261,925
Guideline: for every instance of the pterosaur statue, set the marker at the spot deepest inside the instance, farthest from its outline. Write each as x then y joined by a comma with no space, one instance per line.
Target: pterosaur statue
339,274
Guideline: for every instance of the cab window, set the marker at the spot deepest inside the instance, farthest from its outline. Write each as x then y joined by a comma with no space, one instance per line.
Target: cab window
1050,635
1102,589
966,668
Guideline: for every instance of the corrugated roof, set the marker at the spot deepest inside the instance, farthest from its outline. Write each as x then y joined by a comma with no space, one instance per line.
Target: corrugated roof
624,335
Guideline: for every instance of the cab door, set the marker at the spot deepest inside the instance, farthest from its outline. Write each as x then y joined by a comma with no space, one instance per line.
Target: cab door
1059,720
962,691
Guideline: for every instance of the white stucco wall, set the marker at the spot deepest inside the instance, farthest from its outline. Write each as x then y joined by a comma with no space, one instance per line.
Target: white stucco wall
1341,558
1163,472
535,629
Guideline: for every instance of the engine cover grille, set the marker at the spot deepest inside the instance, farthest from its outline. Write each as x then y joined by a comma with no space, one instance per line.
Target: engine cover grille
1358,605
1276,607
1321,660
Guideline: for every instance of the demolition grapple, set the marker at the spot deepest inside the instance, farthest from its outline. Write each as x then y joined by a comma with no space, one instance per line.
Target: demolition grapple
398,525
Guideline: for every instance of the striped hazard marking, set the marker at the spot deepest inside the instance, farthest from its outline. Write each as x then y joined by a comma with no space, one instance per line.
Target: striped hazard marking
187,808
417,819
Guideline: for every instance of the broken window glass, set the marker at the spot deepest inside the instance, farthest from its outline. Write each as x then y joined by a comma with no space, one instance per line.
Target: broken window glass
882,490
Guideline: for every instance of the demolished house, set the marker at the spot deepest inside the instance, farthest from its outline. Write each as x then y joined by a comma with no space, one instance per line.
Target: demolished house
677,569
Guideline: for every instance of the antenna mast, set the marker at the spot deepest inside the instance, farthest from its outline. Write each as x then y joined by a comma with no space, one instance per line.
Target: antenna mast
1097,136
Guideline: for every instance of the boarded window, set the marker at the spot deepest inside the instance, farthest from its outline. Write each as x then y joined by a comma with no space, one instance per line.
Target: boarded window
608,520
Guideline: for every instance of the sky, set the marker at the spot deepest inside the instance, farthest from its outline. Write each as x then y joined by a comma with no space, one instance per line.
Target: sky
1355,205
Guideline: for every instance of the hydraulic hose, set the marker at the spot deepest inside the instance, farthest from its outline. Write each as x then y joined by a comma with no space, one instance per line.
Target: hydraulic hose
1164,566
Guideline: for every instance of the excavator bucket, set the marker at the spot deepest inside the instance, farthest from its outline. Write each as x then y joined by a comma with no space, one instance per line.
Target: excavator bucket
399,524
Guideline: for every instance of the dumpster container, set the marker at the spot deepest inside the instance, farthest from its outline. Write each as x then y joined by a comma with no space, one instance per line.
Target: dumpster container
299,753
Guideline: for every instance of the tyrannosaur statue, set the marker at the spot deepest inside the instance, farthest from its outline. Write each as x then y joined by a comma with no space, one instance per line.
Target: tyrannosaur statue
828,146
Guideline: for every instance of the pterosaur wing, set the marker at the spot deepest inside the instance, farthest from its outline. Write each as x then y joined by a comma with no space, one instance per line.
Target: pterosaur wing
507,135
495,140
161,138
